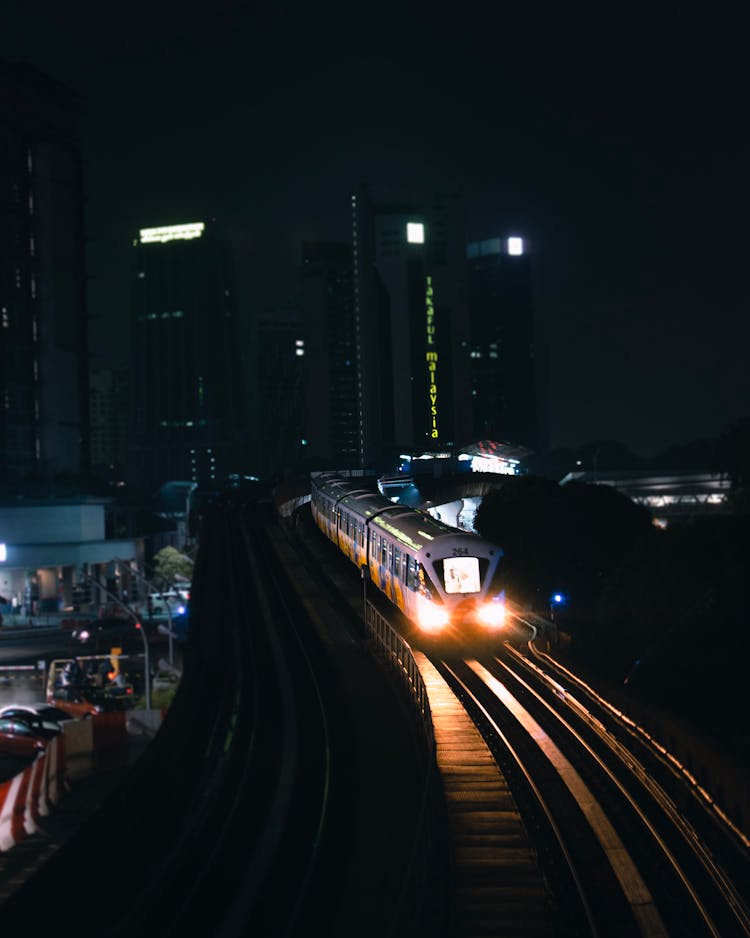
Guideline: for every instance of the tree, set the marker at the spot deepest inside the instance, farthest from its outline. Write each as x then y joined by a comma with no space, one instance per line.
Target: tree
169,565
524,518
559,538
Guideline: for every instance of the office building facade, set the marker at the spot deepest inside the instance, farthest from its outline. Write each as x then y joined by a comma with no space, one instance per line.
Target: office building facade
109,409
281,348
43,321
411,324
189,413
502,350
326,298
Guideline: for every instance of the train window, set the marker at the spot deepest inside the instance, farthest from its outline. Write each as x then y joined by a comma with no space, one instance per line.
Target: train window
384,552
396,562
461,575
411,570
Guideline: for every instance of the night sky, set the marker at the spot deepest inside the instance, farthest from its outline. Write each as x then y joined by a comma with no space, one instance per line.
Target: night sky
617,146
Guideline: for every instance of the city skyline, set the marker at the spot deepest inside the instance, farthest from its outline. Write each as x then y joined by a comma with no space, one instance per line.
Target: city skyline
616,155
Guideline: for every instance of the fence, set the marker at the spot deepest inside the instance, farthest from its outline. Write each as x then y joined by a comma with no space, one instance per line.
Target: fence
419,910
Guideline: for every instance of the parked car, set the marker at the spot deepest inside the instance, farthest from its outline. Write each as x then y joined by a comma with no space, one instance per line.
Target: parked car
19,738
43,714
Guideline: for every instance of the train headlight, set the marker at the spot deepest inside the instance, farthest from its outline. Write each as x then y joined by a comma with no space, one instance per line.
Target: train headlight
432,618
492,614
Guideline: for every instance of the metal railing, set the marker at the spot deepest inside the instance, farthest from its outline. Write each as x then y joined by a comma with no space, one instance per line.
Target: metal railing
395,651
419,911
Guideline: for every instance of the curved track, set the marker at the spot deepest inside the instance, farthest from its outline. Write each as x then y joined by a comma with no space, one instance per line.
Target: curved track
641,866
218,826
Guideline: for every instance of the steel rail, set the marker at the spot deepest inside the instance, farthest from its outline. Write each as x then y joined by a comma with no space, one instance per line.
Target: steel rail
323,808
629,760
660,752
644,819
541,801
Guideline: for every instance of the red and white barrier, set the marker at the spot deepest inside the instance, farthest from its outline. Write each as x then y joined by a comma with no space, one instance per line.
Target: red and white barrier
31,794
84,746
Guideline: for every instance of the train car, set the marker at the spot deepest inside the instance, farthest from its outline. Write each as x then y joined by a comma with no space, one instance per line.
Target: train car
441,578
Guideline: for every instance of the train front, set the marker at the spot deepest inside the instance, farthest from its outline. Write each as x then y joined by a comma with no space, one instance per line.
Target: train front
458,595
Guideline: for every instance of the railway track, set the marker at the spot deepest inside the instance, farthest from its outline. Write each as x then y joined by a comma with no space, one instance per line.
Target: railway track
216,830
618,852
628,841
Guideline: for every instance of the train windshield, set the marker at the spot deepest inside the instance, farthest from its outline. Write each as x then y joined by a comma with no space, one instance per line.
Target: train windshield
461,574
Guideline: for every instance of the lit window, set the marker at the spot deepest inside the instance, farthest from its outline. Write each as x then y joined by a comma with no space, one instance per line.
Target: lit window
515,246
415,232
171,233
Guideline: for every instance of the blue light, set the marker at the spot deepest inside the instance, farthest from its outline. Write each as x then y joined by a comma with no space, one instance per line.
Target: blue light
557,598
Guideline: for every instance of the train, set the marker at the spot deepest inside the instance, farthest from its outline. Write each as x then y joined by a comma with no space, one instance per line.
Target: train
444,580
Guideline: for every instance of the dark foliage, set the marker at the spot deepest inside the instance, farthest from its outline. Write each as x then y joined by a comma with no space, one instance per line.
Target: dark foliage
673,622
559,538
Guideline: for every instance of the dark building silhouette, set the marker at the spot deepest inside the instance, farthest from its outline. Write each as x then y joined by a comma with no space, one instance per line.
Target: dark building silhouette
43,324
189,414
326,297
109,410
412,326
280,383
502,356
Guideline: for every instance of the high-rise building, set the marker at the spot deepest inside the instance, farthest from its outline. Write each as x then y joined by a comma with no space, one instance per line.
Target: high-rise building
43,324
109,409
281,408
189,420
412,326
326,297
505,403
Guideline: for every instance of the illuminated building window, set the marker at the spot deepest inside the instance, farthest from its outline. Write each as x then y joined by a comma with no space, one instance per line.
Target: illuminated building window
515,246
171,233
415,232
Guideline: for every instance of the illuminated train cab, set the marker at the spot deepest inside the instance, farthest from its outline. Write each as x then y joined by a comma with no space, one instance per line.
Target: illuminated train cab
439,577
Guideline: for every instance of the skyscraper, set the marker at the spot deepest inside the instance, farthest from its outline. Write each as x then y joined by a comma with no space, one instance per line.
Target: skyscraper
281,398
326,299
505,405
412,326
109,392
43,325
188,398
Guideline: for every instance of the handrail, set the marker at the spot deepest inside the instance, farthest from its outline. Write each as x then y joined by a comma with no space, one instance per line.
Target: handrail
417,892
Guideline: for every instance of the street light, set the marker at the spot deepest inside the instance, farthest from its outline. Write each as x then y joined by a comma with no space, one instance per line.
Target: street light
191,489
153,589
556,600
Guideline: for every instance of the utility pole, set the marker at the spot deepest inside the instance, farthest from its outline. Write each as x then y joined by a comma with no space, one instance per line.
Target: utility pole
153,589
